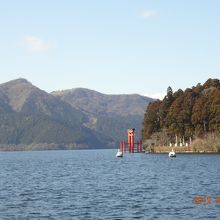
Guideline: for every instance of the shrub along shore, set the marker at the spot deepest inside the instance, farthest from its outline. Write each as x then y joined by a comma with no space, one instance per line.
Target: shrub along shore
209,144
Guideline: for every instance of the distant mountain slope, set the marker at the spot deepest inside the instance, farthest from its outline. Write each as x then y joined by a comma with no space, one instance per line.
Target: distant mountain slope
111,115
29,115
25,98
4,105
16,92
74,118
97,103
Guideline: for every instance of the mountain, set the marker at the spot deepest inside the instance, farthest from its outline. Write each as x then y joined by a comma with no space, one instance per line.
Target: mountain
31,118
96,103
110,115
29,115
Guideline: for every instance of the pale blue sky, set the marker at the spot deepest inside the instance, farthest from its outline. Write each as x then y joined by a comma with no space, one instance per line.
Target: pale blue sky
111,46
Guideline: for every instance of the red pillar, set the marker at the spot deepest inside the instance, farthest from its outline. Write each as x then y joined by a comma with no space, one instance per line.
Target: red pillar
131,140
121,148
132,143
141,146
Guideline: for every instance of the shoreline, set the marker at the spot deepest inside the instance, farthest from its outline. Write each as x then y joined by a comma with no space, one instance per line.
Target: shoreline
185,152
182,150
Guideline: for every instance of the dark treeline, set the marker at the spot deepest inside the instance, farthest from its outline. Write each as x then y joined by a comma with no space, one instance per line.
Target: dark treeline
191,113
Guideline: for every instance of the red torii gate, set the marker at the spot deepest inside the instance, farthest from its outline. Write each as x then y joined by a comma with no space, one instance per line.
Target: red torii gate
133,147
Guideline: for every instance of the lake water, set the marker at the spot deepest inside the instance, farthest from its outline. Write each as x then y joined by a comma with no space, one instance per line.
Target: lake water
93,184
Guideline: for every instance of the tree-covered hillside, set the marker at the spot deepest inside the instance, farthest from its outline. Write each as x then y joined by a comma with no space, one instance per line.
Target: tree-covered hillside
29,115
109,115
187,114
31,118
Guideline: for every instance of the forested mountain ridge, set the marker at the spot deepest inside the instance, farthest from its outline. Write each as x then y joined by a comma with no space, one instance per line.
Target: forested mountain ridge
29,115
32,117
192,113
94,102
110,115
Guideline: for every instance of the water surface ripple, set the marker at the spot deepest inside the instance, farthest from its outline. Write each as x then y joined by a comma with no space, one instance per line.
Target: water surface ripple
93,184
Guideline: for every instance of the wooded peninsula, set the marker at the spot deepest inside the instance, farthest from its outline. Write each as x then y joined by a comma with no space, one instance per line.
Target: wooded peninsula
187,120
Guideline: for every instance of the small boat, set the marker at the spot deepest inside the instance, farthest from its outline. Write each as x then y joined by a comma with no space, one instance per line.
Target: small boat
172,154
119,153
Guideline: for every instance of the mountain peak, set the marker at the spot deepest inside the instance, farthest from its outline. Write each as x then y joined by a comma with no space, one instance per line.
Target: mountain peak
17,91
17,81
